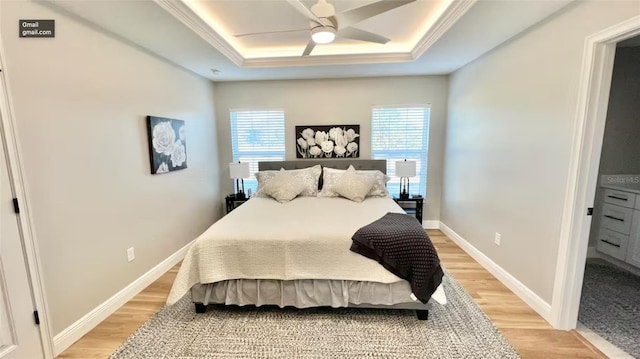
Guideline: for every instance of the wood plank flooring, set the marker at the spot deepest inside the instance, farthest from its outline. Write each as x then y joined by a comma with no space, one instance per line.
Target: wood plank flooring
531,335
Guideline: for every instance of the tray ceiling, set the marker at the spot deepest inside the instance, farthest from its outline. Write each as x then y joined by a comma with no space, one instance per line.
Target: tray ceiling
187,34
405,26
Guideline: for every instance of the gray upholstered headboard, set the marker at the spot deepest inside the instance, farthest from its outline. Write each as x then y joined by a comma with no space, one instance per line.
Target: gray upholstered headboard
342,164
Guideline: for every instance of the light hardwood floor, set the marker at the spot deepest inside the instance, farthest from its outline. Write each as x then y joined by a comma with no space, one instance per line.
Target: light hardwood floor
531,335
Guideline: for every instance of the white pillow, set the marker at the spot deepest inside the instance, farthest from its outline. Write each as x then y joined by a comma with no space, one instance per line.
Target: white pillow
284,187
309,176
353,186
331,175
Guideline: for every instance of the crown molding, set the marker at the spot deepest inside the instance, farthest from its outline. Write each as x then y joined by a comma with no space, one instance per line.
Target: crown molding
184,14
324,60
450,16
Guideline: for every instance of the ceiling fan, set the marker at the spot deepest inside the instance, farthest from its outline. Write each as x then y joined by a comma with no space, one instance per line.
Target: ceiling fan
325,24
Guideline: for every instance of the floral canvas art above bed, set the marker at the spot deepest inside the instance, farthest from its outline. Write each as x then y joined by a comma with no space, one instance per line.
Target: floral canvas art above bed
338,141
167,144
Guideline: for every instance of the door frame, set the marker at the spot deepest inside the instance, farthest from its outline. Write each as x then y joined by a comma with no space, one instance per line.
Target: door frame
591,112
26,226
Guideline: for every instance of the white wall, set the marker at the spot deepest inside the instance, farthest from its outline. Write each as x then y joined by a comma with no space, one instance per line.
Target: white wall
80,102
340,101
509,133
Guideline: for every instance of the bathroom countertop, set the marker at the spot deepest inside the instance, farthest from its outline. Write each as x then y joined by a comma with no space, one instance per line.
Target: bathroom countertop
627,187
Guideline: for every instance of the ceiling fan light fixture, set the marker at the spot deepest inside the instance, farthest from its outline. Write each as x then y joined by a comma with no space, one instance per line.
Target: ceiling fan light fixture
323,35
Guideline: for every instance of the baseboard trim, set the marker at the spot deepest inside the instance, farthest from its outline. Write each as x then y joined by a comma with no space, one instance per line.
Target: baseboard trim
592,253
82,326
431,224
527,295
618,263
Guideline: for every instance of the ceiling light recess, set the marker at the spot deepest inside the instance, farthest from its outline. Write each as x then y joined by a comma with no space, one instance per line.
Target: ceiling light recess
323,34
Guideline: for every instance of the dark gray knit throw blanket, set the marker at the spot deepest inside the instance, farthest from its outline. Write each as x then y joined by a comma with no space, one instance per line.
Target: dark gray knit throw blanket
402,246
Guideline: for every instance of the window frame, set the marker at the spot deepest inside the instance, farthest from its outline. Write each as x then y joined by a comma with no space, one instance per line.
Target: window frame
421,155
254,156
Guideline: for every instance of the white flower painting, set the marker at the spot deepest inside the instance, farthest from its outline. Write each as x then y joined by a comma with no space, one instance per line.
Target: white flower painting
167,144
338,141
163,168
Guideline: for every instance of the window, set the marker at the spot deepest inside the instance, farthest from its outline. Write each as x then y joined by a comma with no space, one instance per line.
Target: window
257,135
399,133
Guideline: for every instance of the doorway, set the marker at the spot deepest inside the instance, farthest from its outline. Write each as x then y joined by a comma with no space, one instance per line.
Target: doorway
22,299
19,333
593,98
610,301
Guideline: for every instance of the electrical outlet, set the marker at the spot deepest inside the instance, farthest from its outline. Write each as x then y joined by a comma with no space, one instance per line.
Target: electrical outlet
497,239
131,254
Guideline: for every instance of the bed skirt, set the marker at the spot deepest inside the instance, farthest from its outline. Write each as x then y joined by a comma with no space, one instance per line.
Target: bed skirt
306,293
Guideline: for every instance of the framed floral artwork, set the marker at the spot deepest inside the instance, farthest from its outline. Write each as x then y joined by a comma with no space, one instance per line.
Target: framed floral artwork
338,141
167,144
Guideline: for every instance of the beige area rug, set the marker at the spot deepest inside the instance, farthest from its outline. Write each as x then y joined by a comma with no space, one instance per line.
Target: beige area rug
458,330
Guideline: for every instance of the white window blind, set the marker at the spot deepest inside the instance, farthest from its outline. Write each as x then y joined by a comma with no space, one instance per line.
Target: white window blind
257,135
399,133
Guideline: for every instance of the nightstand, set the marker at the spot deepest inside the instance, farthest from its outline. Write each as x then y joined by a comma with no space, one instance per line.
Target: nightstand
232,202
411,205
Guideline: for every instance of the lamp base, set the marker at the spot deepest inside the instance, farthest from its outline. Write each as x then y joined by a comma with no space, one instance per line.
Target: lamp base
404,188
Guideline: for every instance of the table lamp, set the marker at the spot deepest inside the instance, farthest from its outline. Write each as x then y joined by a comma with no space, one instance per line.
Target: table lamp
404,170
239,171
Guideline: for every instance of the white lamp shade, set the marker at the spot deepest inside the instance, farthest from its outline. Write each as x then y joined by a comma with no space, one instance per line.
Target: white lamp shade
406,168
239,170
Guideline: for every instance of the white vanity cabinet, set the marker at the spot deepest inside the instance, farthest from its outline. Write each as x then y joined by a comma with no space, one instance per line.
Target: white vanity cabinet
619,232
633,250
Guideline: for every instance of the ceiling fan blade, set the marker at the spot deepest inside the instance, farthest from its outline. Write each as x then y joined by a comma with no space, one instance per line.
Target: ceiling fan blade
270,32
298,5
309,48
353,16
357,34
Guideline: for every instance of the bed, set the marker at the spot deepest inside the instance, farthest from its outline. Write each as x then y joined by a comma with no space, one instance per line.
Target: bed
295,254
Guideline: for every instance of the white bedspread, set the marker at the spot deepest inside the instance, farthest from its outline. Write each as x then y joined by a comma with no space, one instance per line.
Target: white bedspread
307,238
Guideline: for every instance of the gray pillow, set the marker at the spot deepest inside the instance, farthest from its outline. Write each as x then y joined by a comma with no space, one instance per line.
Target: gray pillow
284,187
353,185
331,175
309,176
